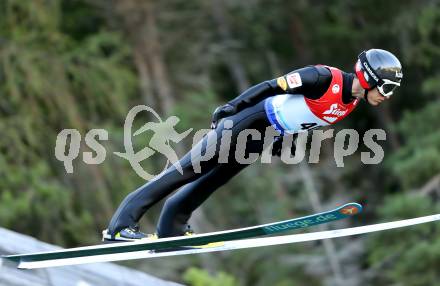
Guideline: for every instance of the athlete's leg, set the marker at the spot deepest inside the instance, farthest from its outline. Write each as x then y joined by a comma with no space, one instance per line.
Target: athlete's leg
178,208
139,201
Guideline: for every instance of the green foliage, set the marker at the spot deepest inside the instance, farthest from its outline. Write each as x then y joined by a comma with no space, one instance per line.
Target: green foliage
198,104
419,159
99,77
32,200
200,277
406,252
83,64
54,82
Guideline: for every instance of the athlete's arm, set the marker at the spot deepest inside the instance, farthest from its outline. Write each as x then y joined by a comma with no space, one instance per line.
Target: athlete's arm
309,81
248,98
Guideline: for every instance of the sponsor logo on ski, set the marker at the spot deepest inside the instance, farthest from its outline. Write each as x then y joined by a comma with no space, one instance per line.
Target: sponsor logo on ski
301,223
350,210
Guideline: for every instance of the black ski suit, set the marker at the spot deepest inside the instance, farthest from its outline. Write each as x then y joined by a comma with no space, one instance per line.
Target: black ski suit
196,187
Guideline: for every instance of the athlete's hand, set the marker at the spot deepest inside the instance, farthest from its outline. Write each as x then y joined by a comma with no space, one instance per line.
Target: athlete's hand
222,112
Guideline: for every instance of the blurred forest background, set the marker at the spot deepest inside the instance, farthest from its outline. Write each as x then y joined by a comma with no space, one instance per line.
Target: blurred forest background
85,63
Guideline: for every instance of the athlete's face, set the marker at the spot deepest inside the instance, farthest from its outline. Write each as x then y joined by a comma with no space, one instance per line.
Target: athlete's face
375,98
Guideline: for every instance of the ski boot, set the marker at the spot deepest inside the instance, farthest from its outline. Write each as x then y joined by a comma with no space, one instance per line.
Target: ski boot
131,233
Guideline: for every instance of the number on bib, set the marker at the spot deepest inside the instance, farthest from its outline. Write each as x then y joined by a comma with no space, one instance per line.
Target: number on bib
308,126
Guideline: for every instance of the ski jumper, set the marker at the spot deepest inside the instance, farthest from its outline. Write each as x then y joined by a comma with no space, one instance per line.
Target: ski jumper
302,100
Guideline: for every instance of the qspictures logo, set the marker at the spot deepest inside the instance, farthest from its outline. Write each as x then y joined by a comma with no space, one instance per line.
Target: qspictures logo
163,134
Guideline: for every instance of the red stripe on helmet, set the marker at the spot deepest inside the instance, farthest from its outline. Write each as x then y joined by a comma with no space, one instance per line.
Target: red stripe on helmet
361,77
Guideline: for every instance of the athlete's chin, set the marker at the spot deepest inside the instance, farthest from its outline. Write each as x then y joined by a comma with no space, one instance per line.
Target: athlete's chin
375,103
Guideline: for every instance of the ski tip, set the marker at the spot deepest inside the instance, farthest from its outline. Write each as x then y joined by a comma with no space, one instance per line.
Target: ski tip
350,209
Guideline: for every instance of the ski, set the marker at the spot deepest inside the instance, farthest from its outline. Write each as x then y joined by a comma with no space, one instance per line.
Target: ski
86,254
236,244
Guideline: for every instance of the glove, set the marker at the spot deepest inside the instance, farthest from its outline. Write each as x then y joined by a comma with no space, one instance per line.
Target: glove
278,147
222,112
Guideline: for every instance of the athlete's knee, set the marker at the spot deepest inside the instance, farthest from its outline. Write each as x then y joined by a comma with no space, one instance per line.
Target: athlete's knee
172,203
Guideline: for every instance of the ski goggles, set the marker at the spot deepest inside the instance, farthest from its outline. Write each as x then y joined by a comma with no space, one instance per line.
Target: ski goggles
386,88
